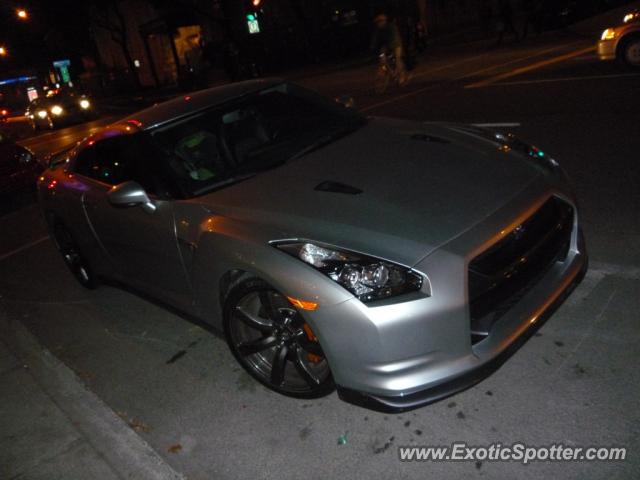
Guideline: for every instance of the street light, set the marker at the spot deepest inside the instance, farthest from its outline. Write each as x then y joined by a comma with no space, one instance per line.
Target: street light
3,51
22,14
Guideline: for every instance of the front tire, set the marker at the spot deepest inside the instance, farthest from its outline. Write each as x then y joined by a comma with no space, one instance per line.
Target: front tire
73,258
630,52
273,343
382,80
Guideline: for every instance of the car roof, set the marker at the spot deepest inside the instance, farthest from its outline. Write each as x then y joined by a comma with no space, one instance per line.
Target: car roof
183,105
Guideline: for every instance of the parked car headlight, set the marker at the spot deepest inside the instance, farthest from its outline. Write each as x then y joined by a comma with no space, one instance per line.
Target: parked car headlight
631,16
511,142
42,113
368,278
85,104
57,110
608,34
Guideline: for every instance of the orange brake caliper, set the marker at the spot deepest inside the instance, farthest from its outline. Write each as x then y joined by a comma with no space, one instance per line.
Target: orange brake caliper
312,357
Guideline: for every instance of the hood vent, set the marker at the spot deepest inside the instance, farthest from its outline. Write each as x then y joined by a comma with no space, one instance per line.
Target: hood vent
336,187
428,138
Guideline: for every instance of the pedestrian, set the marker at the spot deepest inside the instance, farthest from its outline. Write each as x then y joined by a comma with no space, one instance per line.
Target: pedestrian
505,14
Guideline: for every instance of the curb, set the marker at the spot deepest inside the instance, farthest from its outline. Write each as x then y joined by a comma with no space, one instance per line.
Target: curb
122,449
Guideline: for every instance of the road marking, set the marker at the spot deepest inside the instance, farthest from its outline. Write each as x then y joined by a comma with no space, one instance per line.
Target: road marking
23,248
566,79
443,67
69,130
517,60
529,68
447,66
497,125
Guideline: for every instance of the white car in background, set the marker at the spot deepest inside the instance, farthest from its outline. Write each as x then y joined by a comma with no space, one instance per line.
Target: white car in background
622,42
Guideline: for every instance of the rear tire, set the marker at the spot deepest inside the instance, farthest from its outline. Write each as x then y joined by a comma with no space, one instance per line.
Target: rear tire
381,81
74,259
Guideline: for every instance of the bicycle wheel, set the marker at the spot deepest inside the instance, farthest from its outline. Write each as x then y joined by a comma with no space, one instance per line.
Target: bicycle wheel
382,80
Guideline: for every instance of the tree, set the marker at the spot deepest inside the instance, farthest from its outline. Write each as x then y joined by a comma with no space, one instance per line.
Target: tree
107,15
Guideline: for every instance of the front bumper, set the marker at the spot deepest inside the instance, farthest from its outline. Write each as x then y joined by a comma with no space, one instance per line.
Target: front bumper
607,49
421,350
395,404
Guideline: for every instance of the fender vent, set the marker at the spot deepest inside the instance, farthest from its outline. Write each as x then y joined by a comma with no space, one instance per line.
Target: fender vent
336,187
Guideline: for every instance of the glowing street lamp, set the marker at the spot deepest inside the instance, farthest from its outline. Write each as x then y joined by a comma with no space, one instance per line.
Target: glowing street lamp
22,14
3,51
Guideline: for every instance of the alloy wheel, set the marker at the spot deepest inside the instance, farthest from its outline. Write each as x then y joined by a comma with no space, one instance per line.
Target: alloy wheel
274,344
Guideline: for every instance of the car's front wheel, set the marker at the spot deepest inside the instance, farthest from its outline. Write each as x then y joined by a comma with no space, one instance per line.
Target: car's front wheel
631,52
273,343
74,259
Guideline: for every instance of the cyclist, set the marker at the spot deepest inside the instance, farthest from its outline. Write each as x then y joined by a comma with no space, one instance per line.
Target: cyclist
386,39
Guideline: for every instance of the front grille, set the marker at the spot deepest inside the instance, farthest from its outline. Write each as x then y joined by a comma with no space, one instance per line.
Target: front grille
502,275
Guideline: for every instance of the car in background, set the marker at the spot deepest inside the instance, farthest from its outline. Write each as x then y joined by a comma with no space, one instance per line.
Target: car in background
623,41
19,169
399,262
59,109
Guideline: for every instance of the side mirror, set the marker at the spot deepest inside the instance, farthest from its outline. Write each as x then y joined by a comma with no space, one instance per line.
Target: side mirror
25,156
346,101
130,194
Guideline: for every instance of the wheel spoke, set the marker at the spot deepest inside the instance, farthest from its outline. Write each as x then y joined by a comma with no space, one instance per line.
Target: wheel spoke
266,299
310,347
262,325
255,346
303,368
278,366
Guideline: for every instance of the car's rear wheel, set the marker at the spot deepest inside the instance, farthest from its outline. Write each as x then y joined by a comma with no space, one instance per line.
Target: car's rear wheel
75,261
631,52
273,343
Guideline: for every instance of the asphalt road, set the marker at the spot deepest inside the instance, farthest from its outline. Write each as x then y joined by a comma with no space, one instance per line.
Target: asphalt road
575,383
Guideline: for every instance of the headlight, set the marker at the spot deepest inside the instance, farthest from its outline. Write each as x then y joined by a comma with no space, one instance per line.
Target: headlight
608,34
366,277
42,113
84,104
57,110
511,142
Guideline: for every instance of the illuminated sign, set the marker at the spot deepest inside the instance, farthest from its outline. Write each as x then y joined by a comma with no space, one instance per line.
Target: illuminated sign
252,23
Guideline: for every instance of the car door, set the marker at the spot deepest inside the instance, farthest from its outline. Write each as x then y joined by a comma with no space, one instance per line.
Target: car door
140,244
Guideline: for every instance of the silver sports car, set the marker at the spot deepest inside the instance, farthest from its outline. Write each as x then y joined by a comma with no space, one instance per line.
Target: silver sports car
398,262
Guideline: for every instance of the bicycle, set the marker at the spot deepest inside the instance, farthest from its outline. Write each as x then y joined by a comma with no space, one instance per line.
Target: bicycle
386,74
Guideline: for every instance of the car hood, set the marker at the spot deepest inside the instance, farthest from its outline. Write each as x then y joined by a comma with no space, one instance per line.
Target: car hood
396,189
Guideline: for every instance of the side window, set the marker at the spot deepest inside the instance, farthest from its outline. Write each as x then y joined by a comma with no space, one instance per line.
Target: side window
85,163
107,161
128,157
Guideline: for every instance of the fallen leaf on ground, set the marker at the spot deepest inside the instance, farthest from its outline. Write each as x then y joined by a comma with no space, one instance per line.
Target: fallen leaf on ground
174,448
139,426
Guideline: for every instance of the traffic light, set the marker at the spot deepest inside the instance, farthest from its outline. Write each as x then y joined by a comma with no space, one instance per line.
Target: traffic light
252,7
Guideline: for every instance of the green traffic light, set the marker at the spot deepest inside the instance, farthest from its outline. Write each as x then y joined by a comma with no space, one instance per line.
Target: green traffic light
251,17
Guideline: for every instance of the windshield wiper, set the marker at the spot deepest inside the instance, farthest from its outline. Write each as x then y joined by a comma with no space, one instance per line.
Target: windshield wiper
224,183
324,140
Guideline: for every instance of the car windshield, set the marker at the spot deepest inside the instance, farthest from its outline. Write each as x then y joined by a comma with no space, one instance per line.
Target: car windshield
258,132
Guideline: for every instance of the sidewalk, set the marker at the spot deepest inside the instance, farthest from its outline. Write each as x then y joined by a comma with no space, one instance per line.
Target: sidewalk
52,427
